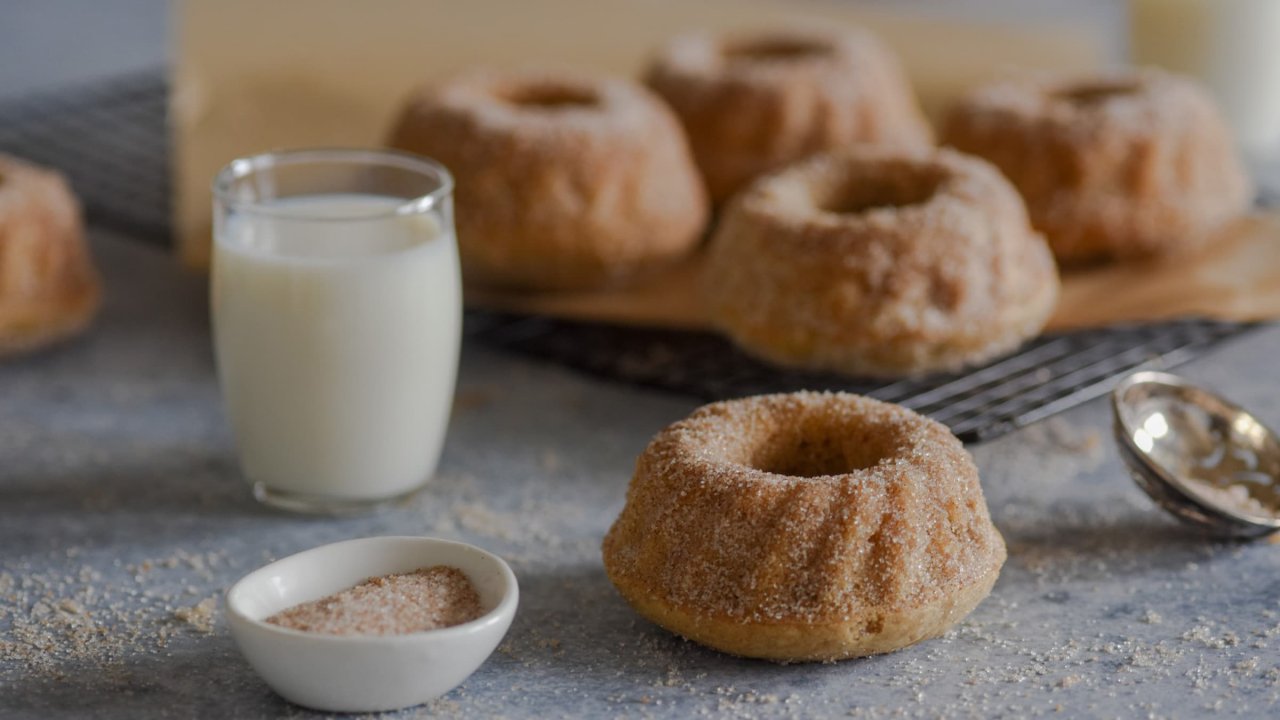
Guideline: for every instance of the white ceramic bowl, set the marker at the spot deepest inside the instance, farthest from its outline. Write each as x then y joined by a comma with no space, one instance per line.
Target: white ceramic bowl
365,673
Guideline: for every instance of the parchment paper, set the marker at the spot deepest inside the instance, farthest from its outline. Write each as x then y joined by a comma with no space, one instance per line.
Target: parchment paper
252,76
1236,277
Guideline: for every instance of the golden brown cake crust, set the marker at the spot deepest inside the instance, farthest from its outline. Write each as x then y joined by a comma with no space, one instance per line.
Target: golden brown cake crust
1124,166
753,103
48,288
808,526
876,262
564,180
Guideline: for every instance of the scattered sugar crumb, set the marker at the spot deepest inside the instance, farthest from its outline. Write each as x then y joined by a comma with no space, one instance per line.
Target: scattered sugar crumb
200,616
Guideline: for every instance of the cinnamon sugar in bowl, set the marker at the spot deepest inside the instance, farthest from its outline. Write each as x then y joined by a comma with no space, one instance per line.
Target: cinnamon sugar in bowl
368,672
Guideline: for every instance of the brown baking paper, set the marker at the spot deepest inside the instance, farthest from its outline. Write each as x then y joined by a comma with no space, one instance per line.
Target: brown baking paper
251,76
1236,277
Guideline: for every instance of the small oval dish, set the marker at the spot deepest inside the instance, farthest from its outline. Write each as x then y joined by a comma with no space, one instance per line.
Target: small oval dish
347,673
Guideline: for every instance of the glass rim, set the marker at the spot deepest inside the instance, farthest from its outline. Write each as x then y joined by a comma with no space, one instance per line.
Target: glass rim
247,165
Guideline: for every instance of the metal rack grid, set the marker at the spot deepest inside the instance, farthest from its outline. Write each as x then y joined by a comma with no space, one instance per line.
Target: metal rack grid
111,141
1045,376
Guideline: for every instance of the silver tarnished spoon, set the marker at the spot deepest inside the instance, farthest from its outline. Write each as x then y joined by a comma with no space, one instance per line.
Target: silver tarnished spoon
1202,458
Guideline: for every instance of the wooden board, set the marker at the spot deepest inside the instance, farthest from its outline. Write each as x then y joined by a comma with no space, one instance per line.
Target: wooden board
251,76
1237,277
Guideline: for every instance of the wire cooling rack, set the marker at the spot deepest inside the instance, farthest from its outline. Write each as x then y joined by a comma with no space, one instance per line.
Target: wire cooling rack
1045,376
110,139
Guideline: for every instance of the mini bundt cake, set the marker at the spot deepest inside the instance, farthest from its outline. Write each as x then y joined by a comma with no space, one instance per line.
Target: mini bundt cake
1129,166
753,103
48,287
810,526
880,263
564,181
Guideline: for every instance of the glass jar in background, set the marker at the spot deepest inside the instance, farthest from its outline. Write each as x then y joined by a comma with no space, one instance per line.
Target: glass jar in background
1233,46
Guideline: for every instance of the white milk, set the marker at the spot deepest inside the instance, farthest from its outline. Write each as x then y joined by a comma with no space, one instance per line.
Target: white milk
1233,46
337,343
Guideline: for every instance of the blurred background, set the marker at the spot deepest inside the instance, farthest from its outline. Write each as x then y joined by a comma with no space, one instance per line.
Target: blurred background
47,42
332,73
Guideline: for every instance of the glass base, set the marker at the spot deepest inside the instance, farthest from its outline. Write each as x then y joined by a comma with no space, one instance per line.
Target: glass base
325,504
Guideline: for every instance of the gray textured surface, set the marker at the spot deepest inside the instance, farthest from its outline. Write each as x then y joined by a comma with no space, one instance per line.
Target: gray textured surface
120,508
117,473
50,42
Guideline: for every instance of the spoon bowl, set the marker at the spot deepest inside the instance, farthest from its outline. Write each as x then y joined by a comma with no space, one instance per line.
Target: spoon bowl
1200,457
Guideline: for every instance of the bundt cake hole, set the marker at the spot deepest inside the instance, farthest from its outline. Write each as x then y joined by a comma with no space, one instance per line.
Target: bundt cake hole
1096,93
816,449
776,50
857,195
551,96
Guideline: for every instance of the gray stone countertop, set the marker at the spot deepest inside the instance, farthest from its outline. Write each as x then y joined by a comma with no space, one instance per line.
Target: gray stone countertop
123,519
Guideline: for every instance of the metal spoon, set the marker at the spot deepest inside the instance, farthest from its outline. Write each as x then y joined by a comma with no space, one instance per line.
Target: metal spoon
1202,458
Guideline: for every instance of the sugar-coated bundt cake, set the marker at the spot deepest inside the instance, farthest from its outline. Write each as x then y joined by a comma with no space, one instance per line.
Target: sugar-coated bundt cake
881,263
48,287
564,180
1127,166
810,526
754,102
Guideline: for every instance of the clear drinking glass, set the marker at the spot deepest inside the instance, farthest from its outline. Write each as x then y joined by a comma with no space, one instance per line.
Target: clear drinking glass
337,314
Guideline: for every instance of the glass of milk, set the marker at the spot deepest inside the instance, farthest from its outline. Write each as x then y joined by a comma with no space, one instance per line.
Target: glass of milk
1233,46
336,299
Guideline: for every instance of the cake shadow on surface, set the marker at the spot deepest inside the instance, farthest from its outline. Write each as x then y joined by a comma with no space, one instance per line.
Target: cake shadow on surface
1137,544
187,483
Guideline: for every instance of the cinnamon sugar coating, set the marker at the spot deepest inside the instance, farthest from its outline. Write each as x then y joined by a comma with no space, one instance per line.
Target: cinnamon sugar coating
753,103
428,598
49,289
876,262
806,526
564,180
1127,166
